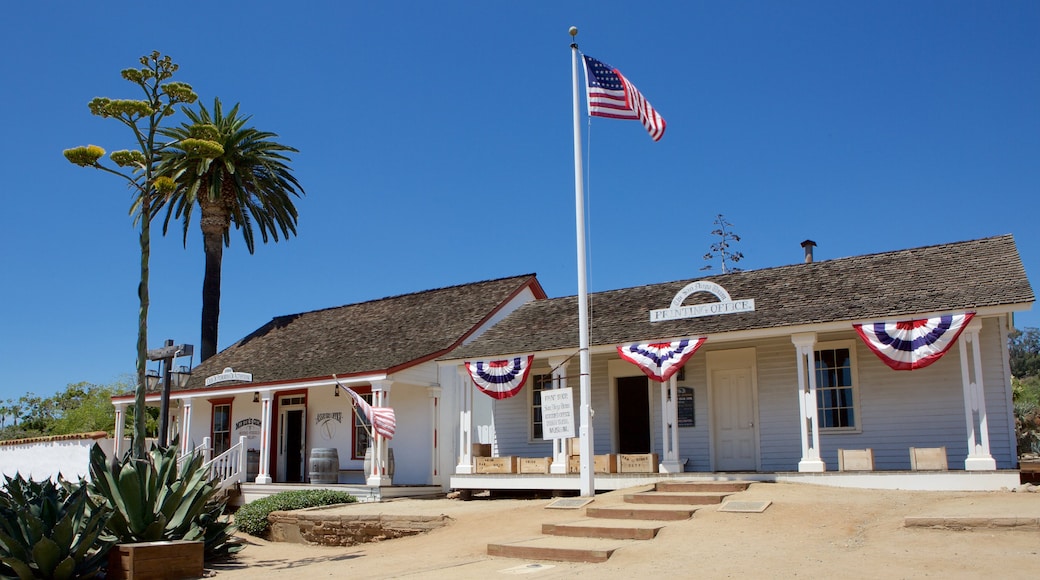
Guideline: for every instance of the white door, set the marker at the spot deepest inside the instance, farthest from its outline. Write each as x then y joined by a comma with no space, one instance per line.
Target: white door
735,440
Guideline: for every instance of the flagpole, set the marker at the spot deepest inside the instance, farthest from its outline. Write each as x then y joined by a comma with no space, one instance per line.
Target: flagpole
588,488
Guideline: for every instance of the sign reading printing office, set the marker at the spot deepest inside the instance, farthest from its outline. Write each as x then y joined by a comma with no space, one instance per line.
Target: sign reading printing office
557,413
725,305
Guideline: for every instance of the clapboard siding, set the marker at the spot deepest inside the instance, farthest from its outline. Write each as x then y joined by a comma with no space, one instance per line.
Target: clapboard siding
778,419
694,441
895,410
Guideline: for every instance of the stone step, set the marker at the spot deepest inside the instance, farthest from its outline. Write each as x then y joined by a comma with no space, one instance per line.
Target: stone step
637,513
680,498
603,528
558,549
708,486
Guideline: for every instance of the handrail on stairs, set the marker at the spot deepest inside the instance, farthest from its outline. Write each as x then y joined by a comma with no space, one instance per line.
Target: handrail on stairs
229,467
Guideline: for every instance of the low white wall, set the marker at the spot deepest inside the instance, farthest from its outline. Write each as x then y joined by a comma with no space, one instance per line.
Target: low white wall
45,457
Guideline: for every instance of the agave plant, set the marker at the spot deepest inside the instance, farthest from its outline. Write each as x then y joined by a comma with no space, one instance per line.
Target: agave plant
51,530
155,499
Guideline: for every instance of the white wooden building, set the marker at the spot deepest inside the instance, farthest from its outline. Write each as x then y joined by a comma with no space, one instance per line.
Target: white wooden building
780,385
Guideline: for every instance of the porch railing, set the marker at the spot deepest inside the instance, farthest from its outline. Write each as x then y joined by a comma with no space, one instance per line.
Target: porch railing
228,468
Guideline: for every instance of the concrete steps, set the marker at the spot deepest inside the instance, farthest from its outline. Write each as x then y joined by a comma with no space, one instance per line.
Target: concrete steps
680,498
558,549
610,528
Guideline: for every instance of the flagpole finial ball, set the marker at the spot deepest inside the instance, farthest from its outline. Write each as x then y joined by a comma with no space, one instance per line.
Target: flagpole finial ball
574,31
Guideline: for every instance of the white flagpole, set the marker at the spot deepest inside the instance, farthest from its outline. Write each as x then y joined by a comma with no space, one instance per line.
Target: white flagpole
588,488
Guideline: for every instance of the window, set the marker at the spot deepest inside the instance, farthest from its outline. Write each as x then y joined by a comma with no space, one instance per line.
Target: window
362,440
836,388
221,434
539,384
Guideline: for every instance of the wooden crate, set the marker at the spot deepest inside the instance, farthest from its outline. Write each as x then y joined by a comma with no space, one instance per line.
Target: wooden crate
607,463
928,459
573,464
638,463
481,450
535,464
170,560
574,446
855,460
496,464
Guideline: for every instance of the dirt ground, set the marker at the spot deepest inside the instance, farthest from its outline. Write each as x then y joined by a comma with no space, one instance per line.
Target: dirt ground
806,532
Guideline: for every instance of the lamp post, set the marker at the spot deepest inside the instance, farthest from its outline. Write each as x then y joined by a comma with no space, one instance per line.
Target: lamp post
166,354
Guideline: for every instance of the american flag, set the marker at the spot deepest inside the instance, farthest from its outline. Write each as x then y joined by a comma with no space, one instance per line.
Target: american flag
382,418
610,94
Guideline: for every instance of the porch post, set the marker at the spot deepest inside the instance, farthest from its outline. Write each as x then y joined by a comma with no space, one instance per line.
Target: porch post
559,376
265,438
979,458
669,421
807,409
435,420
186,444
465,454
117,443
379,475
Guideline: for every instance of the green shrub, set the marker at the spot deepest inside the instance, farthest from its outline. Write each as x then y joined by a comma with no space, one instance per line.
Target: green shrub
50,530
252,517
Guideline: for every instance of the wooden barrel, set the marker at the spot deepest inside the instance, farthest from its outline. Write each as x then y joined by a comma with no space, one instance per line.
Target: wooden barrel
324,465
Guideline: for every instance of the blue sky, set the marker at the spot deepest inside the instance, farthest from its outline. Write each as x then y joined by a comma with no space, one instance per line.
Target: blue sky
436,149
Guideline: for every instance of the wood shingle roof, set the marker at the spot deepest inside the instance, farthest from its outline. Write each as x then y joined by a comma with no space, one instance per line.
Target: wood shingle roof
946,277
382,335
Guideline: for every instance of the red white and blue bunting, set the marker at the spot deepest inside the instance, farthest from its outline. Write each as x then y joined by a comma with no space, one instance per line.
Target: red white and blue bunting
660,360
500,379
913,344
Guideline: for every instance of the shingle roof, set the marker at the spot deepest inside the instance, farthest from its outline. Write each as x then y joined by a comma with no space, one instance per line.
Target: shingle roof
940,278
369,337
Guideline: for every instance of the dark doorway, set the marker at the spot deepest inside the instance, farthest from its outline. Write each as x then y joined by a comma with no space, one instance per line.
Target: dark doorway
294,446
633,403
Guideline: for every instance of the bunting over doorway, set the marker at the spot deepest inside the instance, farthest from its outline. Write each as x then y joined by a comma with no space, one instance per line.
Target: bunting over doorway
660,360
500,379
907,345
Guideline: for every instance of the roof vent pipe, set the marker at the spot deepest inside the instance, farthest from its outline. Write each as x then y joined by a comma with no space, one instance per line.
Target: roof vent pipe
807,245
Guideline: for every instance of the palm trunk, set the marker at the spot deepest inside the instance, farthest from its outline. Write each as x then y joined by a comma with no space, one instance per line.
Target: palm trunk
213,242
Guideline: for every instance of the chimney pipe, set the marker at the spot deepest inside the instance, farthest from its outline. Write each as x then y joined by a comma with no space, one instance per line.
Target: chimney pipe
808,246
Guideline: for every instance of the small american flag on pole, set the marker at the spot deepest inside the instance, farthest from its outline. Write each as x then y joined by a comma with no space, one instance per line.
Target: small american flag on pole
611,95
383,420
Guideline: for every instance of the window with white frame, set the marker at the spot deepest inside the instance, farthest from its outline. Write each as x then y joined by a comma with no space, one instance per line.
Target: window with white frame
538,384
836,387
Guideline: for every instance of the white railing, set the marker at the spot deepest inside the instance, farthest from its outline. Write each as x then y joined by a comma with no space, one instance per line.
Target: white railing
202,448
229,467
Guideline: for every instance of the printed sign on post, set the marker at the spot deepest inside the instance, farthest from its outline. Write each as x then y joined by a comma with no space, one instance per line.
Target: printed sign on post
557,413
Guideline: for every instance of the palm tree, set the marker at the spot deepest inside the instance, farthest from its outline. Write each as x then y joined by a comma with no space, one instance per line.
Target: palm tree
249,185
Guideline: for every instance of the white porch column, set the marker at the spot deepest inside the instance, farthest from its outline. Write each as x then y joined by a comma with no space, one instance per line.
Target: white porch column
807,409
117,444
979,458
669,421
265,438
435,420
186,443
559,379
465,455
379,475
